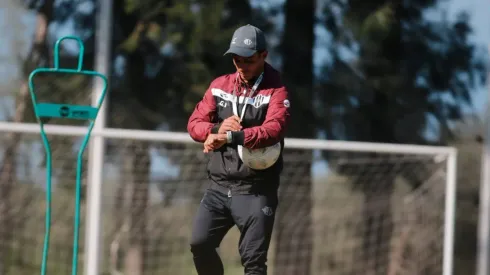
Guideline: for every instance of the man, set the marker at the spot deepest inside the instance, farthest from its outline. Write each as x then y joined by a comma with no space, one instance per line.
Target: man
239,195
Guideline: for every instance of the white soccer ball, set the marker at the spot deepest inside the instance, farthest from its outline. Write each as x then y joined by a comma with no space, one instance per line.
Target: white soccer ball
260,159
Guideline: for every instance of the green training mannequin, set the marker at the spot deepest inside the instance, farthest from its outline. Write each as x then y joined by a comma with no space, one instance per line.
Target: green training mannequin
67,111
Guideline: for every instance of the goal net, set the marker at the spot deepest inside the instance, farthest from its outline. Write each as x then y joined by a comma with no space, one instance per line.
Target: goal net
345,208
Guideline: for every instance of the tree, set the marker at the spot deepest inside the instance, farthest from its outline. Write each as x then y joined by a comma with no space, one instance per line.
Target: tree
468,141
404,64
36,57
297,70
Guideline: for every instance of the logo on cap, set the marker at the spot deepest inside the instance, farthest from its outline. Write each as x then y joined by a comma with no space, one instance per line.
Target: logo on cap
247,42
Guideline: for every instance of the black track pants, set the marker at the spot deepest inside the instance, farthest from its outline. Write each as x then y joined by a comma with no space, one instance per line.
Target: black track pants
218,213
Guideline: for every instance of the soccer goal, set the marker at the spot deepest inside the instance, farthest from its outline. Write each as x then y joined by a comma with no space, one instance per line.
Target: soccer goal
345,207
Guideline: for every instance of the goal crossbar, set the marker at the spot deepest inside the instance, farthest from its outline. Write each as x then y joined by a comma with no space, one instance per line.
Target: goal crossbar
292,143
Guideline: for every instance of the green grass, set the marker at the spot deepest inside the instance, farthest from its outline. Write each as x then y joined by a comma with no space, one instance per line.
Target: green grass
337,232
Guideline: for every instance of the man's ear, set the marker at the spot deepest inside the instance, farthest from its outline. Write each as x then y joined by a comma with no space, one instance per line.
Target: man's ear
264,54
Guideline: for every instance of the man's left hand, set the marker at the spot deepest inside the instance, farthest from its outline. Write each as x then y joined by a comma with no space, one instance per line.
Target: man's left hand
214,141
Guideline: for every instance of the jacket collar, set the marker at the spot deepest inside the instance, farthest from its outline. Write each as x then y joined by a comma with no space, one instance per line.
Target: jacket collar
239,81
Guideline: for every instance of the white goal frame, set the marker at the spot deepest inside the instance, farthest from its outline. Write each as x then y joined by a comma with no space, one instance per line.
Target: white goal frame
93,227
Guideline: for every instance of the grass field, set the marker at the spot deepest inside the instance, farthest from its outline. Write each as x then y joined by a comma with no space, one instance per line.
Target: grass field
337,232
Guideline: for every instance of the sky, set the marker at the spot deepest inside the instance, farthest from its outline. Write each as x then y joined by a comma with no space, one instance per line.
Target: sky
17,26
478,10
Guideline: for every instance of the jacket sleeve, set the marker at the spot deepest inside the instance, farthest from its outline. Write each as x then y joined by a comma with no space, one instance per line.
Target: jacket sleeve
200,123
274,126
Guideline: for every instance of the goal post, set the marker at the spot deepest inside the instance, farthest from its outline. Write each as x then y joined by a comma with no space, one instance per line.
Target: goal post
374,207
445,155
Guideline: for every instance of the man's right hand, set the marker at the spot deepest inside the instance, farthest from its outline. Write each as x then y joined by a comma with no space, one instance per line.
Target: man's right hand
230,124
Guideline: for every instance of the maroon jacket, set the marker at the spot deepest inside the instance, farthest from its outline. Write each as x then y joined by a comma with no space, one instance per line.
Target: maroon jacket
264,123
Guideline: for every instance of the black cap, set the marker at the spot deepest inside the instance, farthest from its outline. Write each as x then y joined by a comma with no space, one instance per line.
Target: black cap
246,41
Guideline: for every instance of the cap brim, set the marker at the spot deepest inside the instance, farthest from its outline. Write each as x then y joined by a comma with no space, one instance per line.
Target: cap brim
241,51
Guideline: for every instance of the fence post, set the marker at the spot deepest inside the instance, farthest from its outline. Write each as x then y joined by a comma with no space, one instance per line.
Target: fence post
96,154
483,247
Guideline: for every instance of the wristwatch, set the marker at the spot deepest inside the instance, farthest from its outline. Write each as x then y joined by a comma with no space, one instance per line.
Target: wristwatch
229,137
